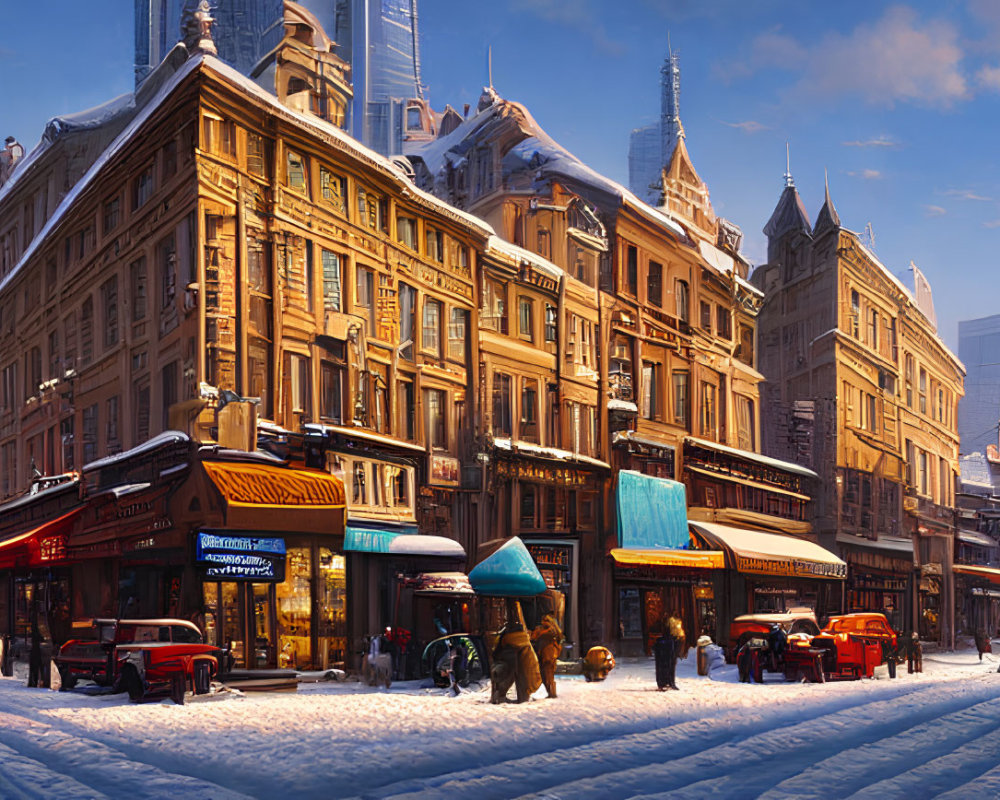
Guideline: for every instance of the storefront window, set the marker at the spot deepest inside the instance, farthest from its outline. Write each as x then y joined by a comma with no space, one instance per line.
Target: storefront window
331,622
232,624
210,600
294,612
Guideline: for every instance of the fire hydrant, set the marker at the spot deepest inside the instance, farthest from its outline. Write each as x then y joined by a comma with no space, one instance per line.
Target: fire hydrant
702,654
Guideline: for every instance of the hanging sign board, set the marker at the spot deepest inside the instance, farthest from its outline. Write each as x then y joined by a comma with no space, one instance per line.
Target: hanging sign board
241,558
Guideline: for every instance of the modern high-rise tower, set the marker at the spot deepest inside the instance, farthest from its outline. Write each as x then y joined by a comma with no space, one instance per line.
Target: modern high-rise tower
244,32
979,410
378,38
651,146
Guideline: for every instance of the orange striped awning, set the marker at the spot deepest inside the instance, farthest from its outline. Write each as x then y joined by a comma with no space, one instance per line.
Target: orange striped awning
263,485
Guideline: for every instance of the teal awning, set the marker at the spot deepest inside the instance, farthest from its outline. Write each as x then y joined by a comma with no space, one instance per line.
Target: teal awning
652,512
509,572
369,540
399,541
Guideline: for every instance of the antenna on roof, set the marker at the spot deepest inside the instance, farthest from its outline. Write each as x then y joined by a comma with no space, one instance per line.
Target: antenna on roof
489,64
788,166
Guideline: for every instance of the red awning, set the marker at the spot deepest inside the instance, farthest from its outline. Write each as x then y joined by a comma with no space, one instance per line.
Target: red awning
45,544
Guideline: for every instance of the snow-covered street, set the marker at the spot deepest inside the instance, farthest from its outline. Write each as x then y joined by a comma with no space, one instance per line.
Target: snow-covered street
936,734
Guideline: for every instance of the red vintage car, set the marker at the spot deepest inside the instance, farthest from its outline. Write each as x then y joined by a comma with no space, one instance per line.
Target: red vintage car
849,646
757,626
144,657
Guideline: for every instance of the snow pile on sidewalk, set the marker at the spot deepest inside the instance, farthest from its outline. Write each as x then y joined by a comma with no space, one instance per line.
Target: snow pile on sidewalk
621,738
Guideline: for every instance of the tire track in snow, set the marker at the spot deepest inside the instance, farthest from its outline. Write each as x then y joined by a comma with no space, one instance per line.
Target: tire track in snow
749,766
964,765
87,762
859,769
24,778
607,753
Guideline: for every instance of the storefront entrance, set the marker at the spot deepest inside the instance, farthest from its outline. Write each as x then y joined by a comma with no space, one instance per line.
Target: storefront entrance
296,621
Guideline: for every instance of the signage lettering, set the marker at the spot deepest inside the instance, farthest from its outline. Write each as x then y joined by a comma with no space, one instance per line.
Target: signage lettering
794,567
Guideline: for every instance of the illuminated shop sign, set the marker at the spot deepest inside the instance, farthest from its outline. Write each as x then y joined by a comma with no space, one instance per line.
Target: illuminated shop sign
241,558
791,567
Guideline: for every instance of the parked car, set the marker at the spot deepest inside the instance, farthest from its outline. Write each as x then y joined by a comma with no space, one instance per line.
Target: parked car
143,657
757,626
851,645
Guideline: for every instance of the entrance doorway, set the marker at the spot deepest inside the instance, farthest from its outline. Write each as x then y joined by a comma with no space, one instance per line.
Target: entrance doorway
243,613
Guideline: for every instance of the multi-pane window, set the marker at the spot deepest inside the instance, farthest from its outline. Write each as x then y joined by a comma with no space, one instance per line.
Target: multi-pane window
142,187
437,436
723,322
365,296
407,310
333,189
745,419
681,299
435,244
298,376
111,423
654,283
8,387
109,301
407,410
908,374
332,292
855,314
34,371
706,316
137,272
112,214
525,327
502,423
632,270
458,326
873,329
331,392
431,329
256,160
551,322
650,390
55,367
493,314
708,409
923,390
529,410
220,137
296,171
90,433
406,231
371,210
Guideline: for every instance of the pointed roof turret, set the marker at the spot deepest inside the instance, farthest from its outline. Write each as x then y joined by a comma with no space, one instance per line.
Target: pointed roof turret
828,217
789,215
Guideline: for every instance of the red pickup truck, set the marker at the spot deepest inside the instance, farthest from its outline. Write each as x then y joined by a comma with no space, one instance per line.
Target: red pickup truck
144,657
849,646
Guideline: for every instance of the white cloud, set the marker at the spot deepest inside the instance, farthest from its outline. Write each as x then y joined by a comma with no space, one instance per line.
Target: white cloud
968,194
989,78
934,211
749,126
993,223
880,141
896,58
866,174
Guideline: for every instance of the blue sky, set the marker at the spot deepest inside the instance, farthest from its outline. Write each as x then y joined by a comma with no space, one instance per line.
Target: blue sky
898,101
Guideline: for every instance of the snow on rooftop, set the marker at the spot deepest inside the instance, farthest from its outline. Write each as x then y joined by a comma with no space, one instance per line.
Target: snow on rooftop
161,439
519,254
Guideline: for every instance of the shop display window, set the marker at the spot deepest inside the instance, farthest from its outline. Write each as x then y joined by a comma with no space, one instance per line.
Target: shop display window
294,599
331,622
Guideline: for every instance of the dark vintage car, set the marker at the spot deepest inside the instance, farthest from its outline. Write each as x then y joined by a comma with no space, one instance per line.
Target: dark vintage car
144,657
757,626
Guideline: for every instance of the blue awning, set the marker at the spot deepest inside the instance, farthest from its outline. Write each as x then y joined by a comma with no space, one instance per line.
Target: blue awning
652,512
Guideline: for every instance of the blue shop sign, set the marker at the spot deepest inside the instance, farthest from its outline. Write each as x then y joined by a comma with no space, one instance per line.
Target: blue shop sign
241,558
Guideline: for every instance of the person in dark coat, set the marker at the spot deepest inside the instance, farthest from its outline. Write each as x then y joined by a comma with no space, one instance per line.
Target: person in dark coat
665,657
983,644
914,654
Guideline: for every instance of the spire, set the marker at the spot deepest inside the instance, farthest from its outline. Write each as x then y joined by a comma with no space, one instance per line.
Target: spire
671,129
789,214
828,216
789,180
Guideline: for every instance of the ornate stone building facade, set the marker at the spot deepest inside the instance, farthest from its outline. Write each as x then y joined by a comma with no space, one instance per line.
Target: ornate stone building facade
862,389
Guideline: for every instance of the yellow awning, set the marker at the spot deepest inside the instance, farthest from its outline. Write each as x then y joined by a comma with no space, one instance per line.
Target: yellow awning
989,573
266,486
698,559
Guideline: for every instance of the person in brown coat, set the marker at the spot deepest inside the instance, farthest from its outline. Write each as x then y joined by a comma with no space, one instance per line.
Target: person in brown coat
514,664
547,639
983,644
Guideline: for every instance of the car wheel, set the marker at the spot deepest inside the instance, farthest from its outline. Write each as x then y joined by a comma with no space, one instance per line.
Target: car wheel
177,688
202,678
67,679
132,683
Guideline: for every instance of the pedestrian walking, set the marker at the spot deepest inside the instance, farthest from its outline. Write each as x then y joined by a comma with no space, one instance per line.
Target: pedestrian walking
547,639
665,658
